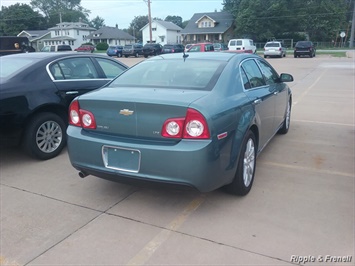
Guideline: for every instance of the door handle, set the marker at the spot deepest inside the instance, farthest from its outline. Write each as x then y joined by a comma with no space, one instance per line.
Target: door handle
71,92
257,101
276,92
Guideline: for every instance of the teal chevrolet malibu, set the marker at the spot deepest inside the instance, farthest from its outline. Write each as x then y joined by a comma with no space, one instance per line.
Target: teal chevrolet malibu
196,120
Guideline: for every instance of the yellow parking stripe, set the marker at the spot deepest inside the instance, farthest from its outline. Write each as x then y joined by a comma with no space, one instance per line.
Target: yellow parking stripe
148,250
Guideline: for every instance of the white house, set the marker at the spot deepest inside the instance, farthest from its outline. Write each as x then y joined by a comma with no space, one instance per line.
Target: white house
72,33
163,32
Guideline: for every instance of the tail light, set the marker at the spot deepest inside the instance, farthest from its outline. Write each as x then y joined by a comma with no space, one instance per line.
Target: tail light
172,50
193,126
280,49
79,117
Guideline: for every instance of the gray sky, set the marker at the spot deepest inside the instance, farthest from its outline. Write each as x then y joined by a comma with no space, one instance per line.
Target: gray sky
122,12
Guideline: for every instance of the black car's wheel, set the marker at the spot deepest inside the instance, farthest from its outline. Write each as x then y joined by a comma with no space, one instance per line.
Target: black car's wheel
310,54
286,123
244,175
145,56
295,56
45,136
126,56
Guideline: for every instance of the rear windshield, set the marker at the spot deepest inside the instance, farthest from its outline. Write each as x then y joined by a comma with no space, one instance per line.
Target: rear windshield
303,43
188,74
128,46
64,48
273,44
14,65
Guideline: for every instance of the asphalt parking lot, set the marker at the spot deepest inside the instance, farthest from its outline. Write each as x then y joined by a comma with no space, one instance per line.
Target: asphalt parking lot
299,211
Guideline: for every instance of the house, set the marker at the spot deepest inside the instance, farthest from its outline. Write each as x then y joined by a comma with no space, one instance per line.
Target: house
35,37
111,36
163,32
212,27
72,33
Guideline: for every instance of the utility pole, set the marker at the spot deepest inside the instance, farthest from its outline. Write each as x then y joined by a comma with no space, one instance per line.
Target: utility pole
150,21
351,44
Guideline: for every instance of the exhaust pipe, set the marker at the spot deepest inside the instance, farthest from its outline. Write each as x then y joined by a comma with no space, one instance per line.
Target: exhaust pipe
82,174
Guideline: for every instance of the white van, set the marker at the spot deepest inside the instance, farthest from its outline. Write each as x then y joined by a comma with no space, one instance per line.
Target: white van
242,45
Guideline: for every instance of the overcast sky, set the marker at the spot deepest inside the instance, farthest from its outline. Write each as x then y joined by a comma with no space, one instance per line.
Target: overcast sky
122,12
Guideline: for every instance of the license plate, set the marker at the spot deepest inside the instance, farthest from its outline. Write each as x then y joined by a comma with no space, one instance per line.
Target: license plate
122,159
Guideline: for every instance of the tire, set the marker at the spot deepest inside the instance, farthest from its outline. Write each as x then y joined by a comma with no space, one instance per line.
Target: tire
45,136
286,123
137,54
119,55
126,56
311,55
295,56
244,176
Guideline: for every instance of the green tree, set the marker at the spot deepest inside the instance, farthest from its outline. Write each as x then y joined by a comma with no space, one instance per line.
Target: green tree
264,19
19,17
68,10
136,25
177,20
97,22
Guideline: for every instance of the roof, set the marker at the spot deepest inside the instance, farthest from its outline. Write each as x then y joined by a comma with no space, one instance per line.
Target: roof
165,24
223,21
110,33
34,34
72,25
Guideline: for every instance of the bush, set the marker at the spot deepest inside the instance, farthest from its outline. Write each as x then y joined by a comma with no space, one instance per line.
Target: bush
101,46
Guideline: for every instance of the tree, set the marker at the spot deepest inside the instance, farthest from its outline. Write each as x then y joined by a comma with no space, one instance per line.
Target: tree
97,23
136,25
177,20
19,17
68,10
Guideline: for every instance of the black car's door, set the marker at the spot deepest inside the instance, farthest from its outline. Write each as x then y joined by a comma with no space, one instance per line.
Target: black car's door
262,98
78,75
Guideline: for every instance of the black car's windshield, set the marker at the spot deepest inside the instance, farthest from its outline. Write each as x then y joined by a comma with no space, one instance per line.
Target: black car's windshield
188,74
11,66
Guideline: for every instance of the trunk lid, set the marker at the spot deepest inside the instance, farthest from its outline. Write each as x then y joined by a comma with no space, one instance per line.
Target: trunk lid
137,112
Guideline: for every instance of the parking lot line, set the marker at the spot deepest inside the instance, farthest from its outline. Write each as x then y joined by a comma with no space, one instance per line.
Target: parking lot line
324,123
148,250
303,168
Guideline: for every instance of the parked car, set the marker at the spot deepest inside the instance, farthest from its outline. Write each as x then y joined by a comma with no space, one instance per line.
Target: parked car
242,45
57,48
115,50
151,49
169,126
36,90
14,45
201,47
173,48
132,50
274,48
304,48
220,47
85,48
187,46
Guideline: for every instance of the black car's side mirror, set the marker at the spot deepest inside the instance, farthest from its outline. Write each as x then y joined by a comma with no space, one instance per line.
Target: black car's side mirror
284,77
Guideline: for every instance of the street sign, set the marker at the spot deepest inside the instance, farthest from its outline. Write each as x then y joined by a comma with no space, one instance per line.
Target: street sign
342,34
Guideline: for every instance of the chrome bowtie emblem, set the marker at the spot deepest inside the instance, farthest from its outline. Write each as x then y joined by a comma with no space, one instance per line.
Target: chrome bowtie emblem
126,112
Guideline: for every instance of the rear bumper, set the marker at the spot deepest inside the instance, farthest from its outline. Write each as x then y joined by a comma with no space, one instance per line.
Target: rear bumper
189,163
273,53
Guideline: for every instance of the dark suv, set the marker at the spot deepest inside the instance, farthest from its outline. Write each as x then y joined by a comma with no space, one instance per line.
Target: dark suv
152,49
304,48
132,50
173,48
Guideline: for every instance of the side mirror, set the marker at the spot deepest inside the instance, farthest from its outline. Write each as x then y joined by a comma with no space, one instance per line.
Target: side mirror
284,77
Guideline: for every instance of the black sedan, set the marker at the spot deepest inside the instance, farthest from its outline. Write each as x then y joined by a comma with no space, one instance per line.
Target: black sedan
36,90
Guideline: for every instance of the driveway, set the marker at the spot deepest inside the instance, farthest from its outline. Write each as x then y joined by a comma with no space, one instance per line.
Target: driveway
300,209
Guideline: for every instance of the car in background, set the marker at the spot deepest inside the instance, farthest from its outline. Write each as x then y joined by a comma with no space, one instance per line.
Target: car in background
274,48
132,50
88,48
14,45
304,48
114,50
220,47
242,45
57,48
36,90
187,46
173,48
168,126
201,47
152,49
